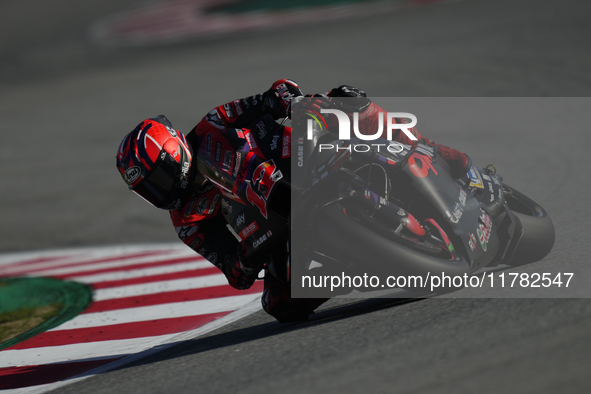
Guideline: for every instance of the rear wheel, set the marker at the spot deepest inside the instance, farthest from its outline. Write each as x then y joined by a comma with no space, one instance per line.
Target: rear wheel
538,230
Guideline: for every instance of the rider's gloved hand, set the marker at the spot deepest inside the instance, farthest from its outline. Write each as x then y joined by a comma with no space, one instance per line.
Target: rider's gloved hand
277,100
311,104
244,272
315,102
355,99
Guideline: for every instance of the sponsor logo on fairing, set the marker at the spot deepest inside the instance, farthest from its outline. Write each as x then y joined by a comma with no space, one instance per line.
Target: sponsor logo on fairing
456,215
472,242
484,230
475,179
420,164
300,152
462,197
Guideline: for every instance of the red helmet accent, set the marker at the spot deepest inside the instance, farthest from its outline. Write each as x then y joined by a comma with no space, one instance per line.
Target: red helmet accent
155,161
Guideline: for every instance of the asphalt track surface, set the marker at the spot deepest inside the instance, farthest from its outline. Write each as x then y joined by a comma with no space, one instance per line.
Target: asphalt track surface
65,105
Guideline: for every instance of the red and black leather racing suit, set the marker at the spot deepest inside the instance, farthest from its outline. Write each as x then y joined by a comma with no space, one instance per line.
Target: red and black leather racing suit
200,224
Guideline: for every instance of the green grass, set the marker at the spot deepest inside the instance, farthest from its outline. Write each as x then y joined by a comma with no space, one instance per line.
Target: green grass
17,322
32,305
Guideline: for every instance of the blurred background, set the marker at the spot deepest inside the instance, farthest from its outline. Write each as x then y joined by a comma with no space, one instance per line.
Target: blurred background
75,77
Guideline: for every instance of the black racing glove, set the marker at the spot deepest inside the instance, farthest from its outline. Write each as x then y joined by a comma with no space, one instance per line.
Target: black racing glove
356,101
277,100
310,105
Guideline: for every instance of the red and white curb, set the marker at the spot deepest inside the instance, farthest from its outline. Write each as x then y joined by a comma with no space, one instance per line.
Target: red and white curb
146,298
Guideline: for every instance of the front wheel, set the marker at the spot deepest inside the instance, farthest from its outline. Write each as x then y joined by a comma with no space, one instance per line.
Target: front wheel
343,235
538,230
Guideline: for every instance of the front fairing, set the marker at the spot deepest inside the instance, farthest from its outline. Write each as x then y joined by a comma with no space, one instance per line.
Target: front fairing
470,221
466,218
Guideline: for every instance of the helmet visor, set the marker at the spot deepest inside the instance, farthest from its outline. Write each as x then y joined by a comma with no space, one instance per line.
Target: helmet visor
162,186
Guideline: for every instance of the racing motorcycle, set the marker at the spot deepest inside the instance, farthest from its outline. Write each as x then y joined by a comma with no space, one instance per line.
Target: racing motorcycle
393,211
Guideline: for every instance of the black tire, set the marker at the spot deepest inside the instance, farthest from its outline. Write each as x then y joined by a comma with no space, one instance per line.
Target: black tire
371,252
538,230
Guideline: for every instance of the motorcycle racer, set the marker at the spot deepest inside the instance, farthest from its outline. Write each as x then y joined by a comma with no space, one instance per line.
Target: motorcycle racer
156,162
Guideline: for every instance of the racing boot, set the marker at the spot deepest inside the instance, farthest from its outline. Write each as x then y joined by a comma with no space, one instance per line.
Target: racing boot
459,163
277,302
